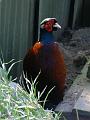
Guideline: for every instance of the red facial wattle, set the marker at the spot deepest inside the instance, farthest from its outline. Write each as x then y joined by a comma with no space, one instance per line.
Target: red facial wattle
49,26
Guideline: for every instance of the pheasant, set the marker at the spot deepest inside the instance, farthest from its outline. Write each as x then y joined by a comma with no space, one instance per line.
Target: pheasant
46,55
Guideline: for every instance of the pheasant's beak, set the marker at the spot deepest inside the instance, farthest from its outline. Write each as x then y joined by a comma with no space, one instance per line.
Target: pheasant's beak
57,26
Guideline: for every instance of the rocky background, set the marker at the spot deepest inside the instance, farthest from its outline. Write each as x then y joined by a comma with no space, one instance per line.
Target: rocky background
76,47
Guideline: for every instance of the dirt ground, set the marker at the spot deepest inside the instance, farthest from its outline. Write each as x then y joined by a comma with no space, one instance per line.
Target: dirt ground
76,45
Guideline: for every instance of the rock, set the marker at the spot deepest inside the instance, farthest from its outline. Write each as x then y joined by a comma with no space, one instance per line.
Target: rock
88,72
13,85
80,60
82,105
73,43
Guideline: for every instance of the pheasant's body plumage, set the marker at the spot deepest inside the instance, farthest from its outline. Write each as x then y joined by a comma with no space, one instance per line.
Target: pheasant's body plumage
46,56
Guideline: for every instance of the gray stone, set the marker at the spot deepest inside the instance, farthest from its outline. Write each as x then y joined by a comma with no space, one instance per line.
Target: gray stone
88,72
77,98
72,95
82,106
80,60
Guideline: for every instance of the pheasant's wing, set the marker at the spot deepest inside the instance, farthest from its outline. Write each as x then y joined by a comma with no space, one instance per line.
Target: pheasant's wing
31,64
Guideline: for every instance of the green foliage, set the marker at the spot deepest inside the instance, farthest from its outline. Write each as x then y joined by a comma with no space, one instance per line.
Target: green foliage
16,104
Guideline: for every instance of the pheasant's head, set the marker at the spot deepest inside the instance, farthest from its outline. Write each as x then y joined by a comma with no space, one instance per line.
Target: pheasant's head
49,24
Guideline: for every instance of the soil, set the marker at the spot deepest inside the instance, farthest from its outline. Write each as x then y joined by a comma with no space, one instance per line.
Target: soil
75,44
